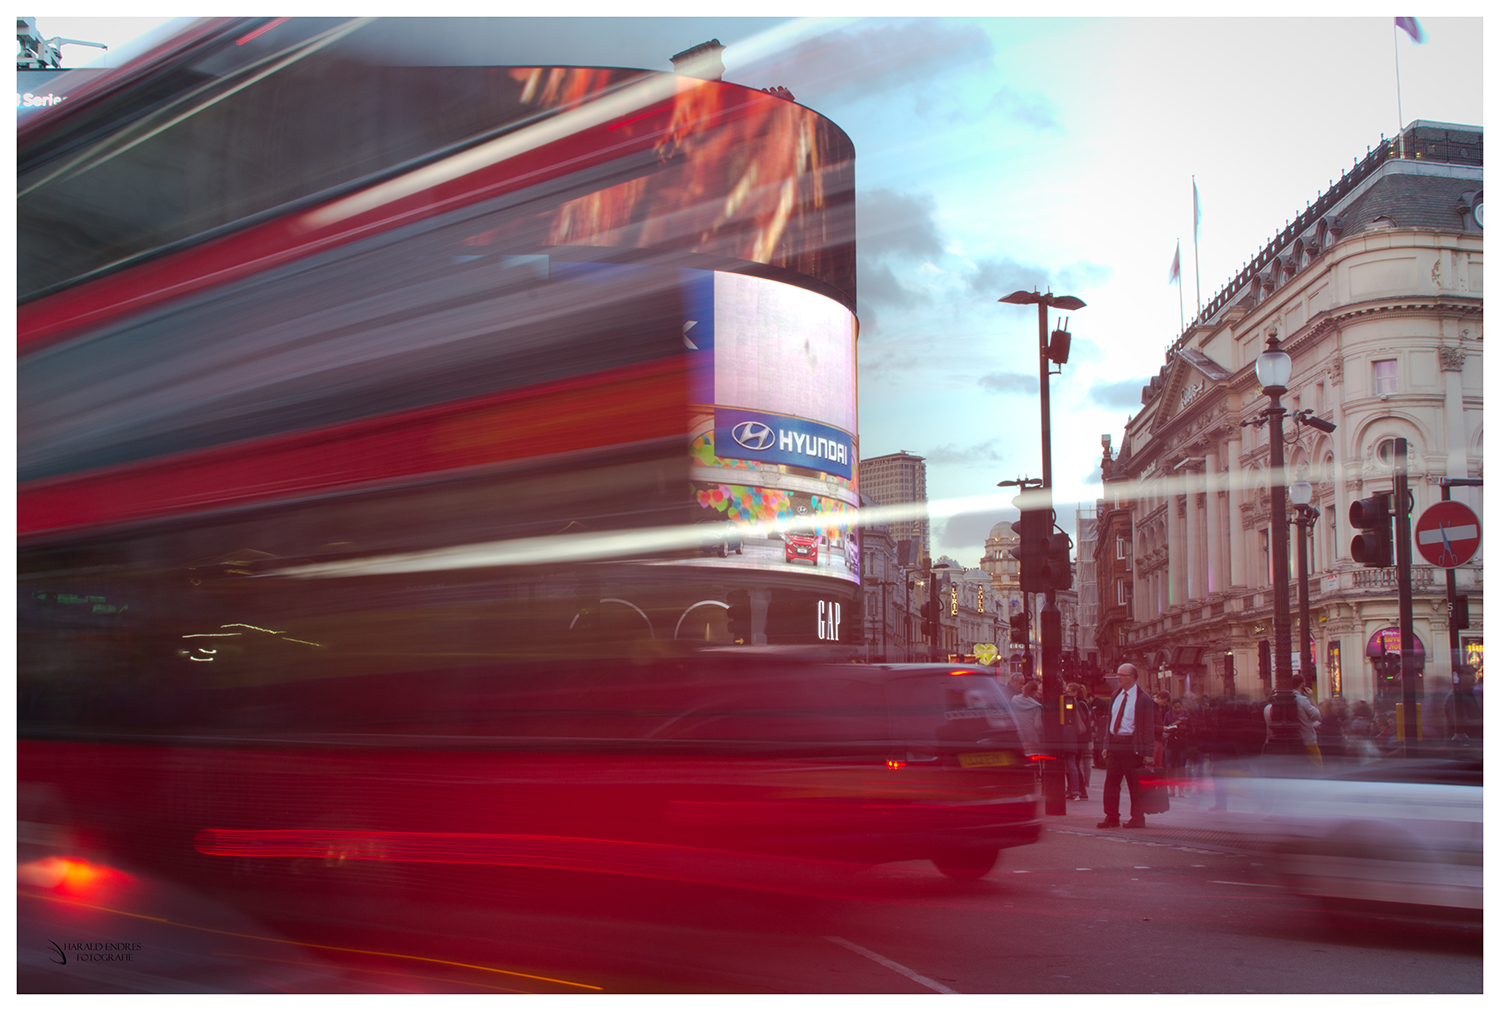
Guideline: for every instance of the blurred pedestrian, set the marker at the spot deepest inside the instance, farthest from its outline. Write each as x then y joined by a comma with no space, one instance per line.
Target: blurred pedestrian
1100,712
1330,733
1307,721
1011,686
1463,717
1131,739
1359,732
1385,740
1028,710
1075,741
1163,702
1175,731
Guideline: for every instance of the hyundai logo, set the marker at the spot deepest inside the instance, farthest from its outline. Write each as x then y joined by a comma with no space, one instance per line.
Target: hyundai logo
753,435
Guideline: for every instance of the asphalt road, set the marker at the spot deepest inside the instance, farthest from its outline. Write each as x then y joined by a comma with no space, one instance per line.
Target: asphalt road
1157,910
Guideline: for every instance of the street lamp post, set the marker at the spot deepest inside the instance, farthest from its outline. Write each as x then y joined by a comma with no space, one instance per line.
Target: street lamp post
1273,368
1050,621
1307,515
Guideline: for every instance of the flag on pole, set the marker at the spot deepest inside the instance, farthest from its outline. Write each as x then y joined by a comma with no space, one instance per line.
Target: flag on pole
1176,274
1197,211
1412,27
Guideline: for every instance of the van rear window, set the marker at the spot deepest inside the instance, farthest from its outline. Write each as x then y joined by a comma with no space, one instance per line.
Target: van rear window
966,709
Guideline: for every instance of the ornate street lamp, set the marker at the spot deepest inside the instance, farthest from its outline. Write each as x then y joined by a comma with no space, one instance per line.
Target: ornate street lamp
1307,515
1273,368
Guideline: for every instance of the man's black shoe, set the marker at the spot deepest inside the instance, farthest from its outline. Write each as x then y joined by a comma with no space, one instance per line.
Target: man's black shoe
1109,823
1136,822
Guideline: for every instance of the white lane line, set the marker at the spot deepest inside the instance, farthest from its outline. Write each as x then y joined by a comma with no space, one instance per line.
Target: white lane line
1243,884
931,984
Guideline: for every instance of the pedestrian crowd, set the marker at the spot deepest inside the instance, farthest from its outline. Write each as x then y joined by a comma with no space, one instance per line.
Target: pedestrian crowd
1187,737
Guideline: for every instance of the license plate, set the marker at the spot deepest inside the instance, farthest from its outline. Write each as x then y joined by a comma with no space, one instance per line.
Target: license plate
979,758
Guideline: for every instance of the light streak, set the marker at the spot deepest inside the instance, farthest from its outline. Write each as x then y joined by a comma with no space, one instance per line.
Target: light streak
641,542
260,31
609,108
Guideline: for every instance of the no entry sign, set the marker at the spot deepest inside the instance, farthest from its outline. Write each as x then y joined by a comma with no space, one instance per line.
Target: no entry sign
1447,534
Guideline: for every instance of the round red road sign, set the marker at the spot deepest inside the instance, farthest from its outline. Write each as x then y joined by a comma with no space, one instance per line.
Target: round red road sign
1447,534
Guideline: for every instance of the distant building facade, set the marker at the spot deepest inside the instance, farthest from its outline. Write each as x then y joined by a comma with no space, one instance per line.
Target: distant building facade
1087,585
1376,292
886,594
900,479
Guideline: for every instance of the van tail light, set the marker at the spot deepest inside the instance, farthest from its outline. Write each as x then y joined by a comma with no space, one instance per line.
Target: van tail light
894,763
1042,758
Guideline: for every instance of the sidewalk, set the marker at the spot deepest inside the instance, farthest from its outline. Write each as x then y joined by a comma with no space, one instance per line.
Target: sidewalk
1190,818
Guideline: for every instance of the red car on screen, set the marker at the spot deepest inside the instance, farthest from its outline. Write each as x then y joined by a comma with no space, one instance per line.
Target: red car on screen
804,546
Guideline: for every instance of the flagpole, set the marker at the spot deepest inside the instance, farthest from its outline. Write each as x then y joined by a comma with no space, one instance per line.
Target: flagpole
1197,281
1400,120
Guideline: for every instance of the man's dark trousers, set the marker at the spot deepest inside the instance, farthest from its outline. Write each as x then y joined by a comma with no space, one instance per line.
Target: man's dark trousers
1122,762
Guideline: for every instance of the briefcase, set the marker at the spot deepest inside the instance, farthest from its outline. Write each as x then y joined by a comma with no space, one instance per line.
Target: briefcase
1154,798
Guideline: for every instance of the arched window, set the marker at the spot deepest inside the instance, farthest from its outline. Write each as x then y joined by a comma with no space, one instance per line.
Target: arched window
1385,452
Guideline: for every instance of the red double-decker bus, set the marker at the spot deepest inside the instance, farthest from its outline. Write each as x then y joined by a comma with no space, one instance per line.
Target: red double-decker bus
374,476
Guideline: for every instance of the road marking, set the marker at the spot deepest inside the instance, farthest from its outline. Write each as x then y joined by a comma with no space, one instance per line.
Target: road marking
931,984
306,944
1244,884
1083,868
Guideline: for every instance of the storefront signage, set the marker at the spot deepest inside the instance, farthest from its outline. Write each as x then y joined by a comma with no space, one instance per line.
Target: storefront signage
830,618
1388,640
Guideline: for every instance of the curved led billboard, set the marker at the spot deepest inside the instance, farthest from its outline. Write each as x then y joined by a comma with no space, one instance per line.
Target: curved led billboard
600,159
774,442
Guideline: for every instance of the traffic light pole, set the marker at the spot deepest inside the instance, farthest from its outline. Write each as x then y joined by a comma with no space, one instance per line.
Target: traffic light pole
1410,671
1050,624
1050,621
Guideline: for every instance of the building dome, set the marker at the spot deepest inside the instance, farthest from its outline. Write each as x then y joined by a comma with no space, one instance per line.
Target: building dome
1001,529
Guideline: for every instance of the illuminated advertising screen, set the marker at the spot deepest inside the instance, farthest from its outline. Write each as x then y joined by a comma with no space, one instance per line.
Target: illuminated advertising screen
774,445
783,350
770,182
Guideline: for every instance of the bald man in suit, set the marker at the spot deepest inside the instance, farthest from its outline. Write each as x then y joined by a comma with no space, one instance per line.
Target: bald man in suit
1129,737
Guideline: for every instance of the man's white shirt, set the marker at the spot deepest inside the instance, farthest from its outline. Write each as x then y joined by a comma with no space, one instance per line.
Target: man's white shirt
1127,723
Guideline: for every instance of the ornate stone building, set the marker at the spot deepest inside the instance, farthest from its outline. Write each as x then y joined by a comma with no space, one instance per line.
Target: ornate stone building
1376,291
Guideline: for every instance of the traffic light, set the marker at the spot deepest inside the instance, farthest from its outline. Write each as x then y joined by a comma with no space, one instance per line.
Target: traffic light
1373,547
1390,669
1032,531
1057,572
739,617
929,627
1018,628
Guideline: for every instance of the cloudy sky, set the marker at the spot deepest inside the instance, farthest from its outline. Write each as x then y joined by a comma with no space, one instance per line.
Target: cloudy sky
1003,153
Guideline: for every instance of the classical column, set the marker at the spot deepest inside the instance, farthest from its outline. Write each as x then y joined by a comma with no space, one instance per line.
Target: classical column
1176,570
1235,533
1213,527
1192,530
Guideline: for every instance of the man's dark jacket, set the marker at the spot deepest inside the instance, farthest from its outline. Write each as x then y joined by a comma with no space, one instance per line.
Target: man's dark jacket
1146,716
